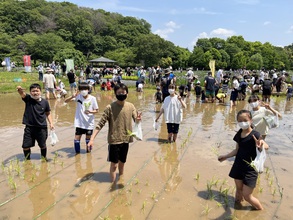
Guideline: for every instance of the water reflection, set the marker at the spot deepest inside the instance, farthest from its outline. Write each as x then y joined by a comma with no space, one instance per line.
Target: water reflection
88,192
43,195
169,166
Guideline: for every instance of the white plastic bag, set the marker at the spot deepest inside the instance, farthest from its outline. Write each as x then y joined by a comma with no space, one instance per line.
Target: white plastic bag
272,121
259,161
54,138
156,125
137,131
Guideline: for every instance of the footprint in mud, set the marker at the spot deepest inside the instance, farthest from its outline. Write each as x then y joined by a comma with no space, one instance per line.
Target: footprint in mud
84,179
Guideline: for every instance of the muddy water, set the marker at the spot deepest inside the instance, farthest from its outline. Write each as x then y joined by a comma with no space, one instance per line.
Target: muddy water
162,181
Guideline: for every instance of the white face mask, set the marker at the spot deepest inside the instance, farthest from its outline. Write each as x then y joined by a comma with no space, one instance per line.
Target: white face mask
171,91
84,92
244,125
254,104
37,97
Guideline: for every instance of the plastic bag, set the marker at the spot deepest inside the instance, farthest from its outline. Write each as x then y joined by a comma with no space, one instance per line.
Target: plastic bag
259,161
156,125
54,138
272,121
137,131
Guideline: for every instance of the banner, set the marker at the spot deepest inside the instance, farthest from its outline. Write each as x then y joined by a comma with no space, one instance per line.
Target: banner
27,63
7,64
69,64
212,65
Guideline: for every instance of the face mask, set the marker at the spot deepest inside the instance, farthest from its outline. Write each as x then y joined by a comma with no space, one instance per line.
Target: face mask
171,91
37,97
84,92
244,125
121,97
254,104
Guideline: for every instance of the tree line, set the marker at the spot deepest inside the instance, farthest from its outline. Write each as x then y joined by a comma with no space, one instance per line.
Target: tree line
56,31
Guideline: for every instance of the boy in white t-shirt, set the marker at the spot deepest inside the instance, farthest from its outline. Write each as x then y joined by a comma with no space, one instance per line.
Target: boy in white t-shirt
172,109
84,122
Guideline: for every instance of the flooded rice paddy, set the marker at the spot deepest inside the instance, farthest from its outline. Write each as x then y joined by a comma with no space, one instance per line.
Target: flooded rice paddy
181,180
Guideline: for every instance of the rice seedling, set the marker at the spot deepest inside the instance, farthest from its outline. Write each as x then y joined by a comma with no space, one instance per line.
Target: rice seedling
128,203
271,182
260,189
224,182
267,170
219,205
143,207
136,181
206,210
209,189
119,217
215,151
147,183
129,190
2,166
105,218
62,164
196,177
33,178
154,195
231,217
138,191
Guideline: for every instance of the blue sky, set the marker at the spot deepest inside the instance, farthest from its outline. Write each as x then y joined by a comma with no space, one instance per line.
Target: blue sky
184,21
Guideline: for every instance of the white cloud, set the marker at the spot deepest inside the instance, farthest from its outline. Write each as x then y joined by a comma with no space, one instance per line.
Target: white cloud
266,23
248,2
222,32
169,28
219,32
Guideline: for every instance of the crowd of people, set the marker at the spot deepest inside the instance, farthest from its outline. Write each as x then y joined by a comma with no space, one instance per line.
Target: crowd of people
121,114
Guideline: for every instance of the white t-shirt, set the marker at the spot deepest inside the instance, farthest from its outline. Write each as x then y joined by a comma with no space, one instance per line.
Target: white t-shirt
235,84
172,110
82,120
258,120
49,80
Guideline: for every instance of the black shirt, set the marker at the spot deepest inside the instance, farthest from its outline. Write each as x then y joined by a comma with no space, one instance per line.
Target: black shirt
35,112
71,77
210,83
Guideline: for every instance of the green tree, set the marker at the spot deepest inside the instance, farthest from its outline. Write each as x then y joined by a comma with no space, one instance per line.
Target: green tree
204,43
124,56
239,61
47,45
72,53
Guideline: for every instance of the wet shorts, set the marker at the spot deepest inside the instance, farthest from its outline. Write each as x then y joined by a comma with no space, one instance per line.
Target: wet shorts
210,93
118,152
172,128
73,85
33,134
50,90
80,131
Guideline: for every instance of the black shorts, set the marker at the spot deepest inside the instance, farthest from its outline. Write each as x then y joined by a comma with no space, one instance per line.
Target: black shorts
118,152
33,134
266,92
80,131
246,174
172,128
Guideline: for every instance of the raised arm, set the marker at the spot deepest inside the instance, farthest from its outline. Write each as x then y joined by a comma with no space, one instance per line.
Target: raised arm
20,91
